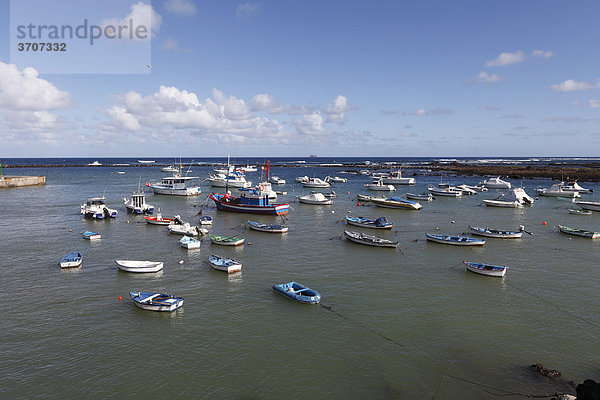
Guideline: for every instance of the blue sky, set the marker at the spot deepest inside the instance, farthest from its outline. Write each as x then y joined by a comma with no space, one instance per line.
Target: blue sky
293,78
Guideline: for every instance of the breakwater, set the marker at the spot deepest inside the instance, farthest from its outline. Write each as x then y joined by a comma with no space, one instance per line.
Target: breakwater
8,181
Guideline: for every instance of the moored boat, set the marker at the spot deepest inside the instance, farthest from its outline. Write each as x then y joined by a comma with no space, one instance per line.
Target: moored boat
71,260
257,226
444,189
395,178
175,185
486,269
89,235
366,197
158,220
189,243
205,220
253,201
557,190
277,180
495,183
379,223
573,186
369,240
517,197
186,229
298,292
397,202
422,196
136,204
315,199
156,301
96,208
228,265
315,183
579,232
589,205
579,212
226,240
380,186
495,233
455,240
139,266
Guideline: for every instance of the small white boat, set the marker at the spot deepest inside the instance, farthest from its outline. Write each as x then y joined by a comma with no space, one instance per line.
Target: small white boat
257,226
501,203
136,204
94,164
91,235
378,185
589,205
315,199
186,229
175,185
466,190
495,233
189,243
337,179
421,197
369,240
366,197
277,180
315,183
302,179
159,219
516,198
206,220
121,172
96,208
397,202
486,269
139,266
579,212
495,183
329,195
249,168
557,190
146,161
395,178
228,265
71,260
170,168
575,187
444,189
156,301
232,180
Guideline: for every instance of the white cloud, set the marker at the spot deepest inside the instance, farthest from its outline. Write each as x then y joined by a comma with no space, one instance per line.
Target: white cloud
246,10
506,59
183,8
594,103
407,134
484,77
310,124
141,14
571,85
262,101
335,112
542,53
422,112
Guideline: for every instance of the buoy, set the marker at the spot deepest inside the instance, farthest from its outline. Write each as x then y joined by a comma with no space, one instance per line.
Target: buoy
358,204
120,298
181,262
249,244
127,221
333,212
544,223
437,229
452,221
348,192
70,230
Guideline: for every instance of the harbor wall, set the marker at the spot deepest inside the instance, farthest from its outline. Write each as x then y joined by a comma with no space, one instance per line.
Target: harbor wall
8,181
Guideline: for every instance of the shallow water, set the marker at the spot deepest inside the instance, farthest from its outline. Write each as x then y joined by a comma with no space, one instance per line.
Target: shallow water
399,319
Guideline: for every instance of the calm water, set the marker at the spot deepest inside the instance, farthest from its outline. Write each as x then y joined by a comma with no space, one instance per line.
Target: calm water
399,318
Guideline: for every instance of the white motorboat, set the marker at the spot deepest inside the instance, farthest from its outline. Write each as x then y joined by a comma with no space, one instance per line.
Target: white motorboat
94,164
398,202
316,183
573,186
516,198
395,178
170,168
248,168
186,229
380,186
232,179
557,190
139,266
175,185
302,179
444,189
495,183
422,196
337,179
466,190
71,260
316,199
589,205
189,243
136,204
277,180
96,208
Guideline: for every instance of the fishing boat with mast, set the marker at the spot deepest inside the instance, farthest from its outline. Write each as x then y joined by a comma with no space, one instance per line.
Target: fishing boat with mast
176,185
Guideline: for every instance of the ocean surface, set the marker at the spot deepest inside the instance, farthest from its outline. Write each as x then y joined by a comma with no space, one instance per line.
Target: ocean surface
405,323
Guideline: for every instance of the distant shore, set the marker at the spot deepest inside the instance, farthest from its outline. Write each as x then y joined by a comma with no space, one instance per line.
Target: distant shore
562,171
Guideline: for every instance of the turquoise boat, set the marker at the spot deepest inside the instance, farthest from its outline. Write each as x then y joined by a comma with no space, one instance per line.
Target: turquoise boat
298,292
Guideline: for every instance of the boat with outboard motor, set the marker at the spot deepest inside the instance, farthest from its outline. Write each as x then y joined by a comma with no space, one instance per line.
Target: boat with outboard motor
455,240
96,208
495,183
516,198
251,200
378,223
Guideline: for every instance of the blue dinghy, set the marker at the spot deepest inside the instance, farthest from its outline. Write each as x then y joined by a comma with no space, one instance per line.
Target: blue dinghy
156,301
379,223
298,292
257,226
455,240
71,260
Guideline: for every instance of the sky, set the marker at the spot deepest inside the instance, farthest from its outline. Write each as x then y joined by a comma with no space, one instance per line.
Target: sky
293,78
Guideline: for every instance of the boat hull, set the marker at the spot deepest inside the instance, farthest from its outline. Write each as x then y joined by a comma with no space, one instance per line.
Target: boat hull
589,205
455,240
500,203
310,296
71,260
486,269
189,191
579,232
389,203
356,237
274,209
494,233
157,302
139,266
267,228
370,225
228,265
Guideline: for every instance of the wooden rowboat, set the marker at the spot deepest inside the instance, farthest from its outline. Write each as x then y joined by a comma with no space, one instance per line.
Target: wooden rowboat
455,240
156,301
486,269
579,232
257,226
369,240
226,240
228,265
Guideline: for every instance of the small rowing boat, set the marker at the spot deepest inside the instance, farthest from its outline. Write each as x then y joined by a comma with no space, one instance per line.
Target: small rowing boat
422,196
486,269
228,265
298,292
397,202
156,301
226,240
455,240
139,266
158,220
495,233
189,243
71,260
89,235
379,223
579,212
257,226
369,240
579,232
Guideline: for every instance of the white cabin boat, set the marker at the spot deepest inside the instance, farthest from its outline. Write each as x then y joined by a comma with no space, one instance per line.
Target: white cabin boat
136,204
170,168
380,186
302,179
516,198
495,183
337,179
96,208
176,185
395,178
232,179
444,189
316,183
186,229
277,180
316,199
466,190
575,187
557,190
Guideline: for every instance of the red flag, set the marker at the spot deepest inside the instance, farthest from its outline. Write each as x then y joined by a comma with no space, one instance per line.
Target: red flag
267,169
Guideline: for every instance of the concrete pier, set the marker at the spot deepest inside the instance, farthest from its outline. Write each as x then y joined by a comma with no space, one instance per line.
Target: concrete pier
8,181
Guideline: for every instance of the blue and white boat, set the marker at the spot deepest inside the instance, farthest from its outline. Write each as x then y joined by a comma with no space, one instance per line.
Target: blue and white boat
136,204
156,301
486,269
252,201
71,260
257,226
369,240
228,265
379,223
397,202
206,220
89,235
96,208
189,243
298,292
175,185
455,240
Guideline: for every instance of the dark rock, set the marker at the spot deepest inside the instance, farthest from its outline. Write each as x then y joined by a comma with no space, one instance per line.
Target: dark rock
588,390
550,373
